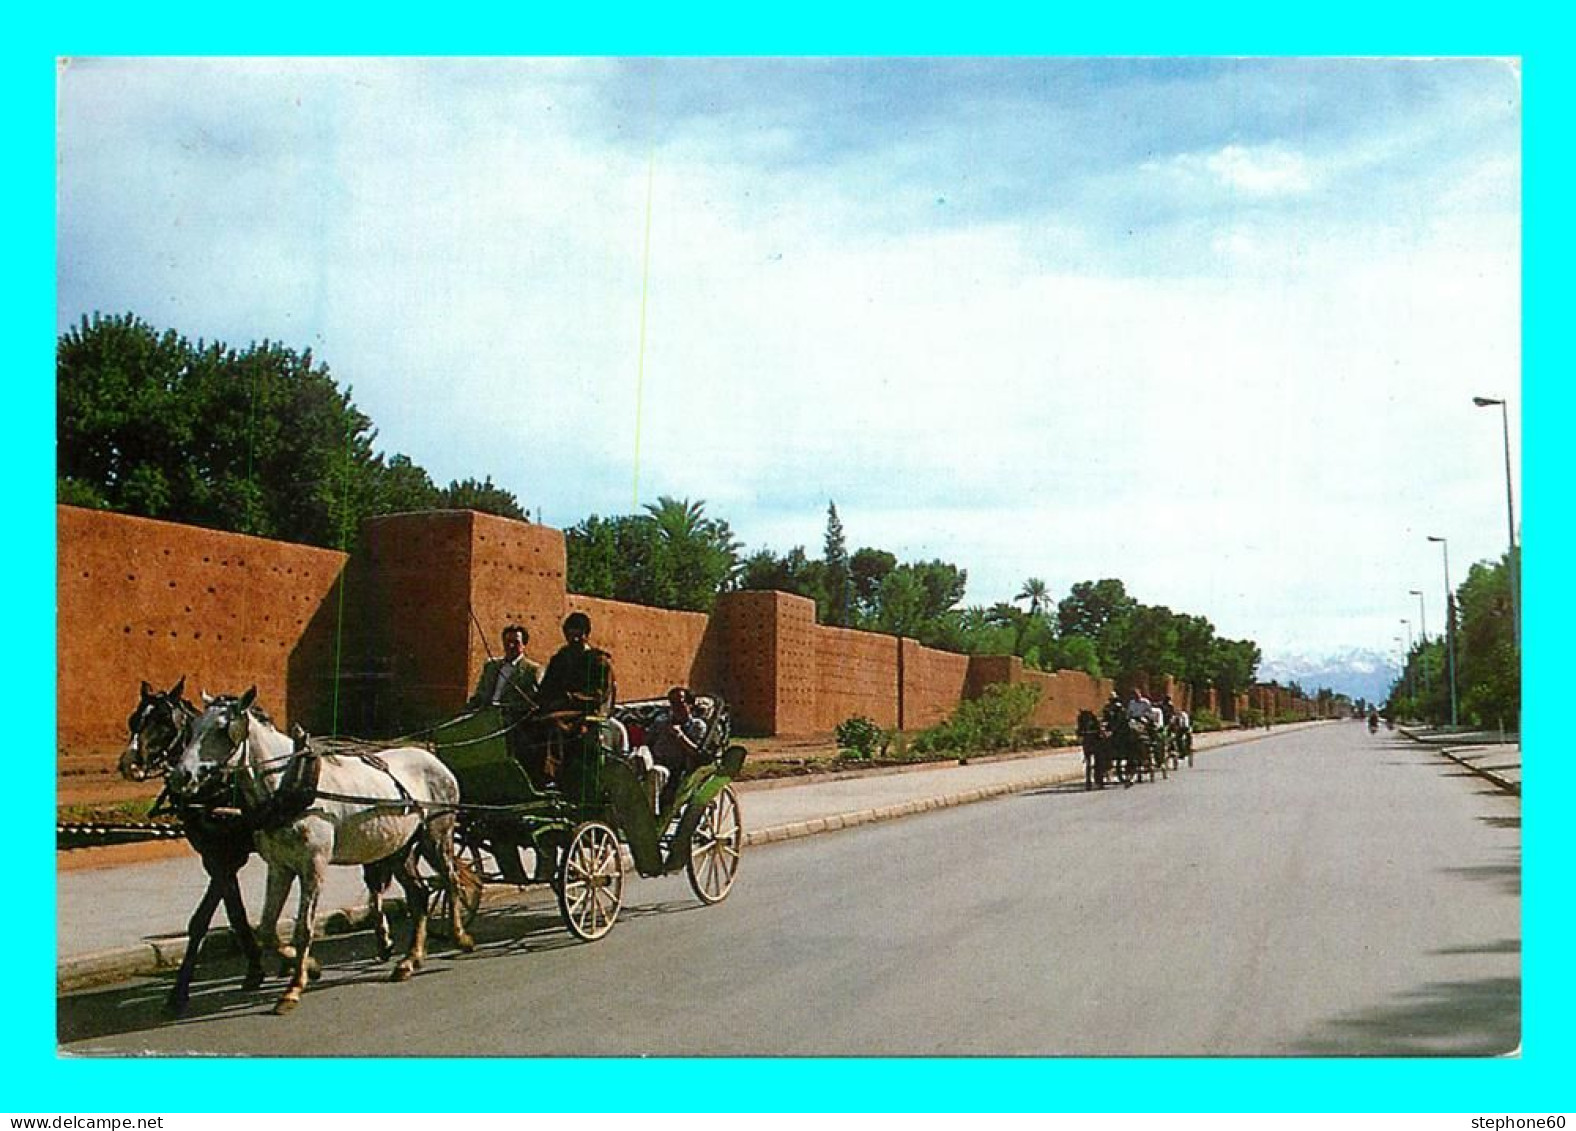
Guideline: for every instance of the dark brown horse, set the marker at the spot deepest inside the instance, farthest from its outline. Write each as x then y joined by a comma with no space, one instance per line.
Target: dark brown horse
158,730
1098,749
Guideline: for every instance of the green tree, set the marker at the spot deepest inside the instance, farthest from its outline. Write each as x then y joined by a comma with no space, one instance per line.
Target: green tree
258,441
1098,611
839,581
1488,673
698,556
1233,666
1148,647
672,557
793,572
903,605
1076,653
868,569
480,495
401,486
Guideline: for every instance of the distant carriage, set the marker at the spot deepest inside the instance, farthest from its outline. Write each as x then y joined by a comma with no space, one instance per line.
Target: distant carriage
1129,749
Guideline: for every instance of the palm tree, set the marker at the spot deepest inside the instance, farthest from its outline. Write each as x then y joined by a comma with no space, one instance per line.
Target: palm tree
1035,592
700,555
677,519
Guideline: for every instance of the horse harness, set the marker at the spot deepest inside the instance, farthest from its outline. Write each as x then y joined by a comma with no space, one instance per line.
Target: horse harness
298,788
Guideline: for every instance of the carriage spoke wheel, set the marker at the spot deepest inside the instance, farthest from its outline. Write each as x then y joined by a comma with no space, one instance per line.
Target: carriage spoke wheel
468,887
591,884
716,848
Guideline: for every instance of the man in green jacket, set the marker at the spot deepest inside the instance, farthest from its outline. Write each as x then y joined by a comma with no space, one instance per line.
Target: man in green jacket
510,684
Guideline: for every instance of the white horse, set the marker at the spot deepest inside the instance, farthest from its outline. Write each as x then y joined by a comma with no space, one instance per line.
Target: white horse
364,809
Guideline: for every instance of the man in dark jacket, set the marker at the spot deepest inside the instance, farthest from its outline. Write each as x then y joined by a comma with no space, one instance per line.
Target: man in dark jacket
576,690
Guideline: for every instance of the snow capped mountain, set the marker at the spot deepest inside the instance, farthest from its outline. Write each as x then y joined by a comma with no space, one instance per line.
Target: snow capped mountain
1358,673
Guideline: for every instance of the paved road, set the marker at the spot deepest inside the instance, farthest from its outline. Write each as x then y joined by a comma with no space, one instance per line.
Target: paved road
1320,892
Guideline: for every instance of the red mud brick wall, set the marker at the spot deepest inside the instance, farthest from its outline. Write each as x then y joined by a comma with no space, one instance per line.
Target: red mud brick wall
652,649
795,663
140,600
517,574
1063,694
933,684
986,670
855,674
412,580
739,658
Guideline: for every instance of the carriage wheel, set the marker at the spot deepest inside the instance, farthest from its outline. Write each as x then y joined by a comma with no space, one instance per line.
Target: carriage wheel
716,847
591,882
468,886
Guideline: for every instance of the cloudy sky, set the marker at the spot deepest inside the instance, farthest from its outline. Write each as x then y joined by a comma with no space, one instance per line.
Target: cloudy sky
1212,327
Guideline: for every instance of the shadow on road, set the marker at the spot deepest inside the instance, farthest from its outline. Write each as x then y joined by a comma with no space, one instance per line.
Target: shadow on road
1508,876
1475,1018
347,960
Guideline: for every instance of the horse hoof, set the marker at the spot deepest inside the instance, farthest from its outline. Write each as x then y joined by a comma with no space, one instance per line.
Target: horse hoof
403,972
465,942
253,979
286,1005
175,1005
385,952
314,969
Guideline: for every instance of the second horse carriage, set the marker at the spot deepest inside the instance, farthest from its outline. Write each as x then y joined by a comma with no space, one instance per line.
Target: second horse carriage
1130,748
606,815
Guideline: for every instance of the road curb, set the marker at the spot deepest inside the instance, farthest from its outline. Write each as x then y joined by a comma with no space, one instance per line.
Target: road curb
1487,775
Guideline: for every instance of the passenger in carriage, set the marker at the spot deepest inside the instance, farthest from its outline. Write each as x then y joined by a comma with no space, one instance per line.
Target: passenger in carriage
677,736
1138,706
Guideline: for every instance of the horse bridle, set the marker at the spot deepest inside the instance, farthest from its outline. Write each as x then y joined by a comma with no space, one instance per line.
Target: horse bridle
179,721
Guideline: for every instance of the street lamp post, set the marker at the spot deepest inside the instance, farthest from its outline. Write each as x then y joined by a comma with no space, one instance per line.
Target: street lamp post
1450,624
1511,565
1411,680
1422,629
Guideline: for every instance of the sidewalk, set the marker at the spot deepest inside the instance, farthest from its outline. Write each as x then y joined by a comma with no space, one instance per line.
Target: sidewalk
1489,754
125,920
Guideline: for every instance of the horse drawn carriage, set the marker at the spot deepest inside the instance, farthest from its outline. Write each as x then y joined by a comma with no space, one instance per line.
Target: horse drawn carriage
1130,749
610,811
452,814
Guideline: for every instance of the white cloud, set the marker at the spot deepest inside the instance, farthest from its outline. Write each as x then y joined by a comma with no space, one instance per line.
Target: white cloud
1251,171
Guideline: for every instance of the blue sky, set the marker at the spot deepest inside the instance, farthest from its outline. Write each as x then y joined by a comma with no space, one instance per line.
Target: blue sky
1209,326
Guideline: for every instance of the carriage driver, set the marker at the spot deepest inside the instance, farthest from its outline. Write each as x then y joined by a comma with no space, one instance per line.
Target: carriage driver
577,685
